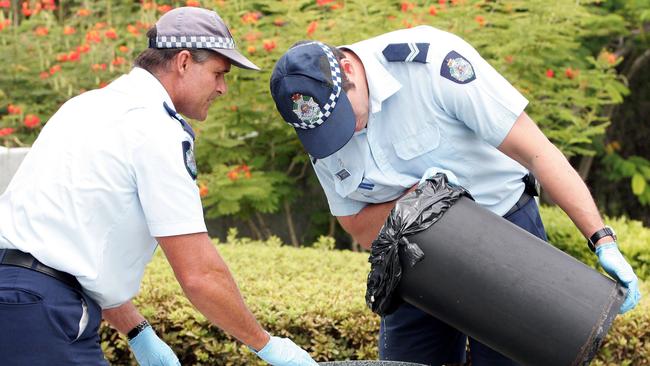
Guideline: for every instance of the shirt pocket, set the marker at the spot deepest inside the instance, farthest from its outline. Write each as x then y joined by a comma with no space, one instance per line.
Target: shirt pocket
418,143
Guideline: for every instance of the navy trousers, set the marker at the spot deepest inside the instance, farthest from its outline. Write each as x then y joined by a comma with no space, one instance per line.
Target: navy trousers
411,335
45,322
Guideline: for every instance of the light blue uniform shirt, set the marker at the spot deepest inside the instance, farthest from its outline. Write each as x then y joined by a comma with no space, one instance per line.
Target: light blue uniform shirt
106,176
420,119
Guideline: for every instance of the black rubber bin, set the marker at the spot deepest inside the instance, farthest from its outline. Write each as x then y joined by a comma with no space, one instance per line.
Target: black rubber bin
508,289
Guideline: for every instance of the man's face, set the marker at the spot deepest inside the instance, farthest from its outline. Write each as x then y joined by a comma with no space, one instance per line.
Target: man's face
358,91
358,97
202,84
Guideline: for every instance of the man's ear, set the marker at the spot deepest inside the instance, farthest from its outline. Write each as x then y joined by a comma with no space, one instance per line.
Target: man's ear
182,61
346,66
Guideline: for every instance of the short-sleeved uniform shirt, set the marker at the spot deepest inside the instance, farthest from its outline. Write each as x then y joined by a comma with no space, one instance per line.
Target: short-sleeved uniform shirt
108,173
435,111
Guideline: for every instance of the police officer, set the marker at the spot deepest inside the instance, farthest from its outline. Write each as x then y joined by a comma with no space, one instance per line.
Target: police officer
379,115
111,175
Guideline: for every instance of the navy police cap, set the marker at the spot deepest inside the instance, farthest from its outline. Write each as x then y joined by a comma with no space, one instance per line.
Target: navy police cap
306,88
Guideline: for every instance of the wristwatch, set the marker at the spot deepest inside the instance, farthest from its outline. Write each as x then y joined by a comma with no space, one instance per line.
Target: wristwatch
593,239
137,329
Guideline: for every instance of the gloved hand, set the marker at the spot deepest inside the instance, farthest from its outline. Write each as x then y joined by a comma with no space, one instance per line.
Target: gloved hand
283,352
149,350
615,265
451,177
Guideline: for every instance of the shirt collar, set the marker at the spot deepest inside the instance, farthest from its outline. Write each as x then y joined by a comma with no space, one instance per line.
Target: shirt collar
150,87
381,84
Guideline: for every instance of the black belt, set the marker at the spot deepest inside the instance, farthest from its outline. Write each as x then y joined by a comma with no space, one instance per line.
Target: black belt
525,197
13,257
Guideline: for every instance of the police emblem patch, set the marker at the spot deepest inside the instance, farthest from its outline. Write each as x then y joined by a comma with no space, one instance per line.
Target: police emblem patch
188,158
457,69
306,108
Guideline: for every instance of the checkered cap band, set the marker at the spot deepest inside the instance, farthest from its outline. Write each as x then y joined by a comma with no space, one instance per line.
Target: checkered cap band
194,42
327,108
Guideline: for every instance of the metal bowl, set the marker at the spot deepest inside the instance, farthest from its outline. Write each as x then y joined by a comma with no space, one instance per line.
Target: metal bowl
369,363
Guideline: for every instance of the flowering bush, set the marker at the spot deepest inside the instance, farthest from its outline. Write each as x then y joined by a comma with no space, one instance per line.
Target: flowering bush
250,161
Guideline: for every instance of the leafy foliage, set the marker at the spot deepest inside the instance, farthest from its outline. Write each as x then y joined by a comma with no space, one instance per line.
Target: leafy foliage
250,161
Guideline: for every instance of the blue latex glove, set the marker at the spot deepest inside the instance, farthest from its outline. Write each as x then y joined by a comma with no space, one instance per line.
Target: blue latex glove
615,265
283,352
149,350
451,177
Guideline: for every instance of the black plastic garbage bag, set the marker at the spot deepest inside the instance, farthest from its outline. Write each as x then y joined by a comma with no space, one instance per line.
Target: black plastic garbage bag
414,212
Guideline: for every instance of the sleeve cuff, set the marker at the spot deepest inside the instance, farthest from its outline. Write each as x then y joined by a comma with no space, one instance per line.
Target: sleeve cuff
347,209
177,228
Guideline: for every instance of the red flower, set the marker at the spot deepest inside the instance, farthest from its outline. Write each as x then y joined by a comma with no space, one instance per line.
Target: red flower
83,48
49,4
73,56
123,49
203,190
480,20
279,22
570,73
251,49
44,75
13,109
433,10
164,8
111,34
192,3
62,57
550,73
54,69
118,61
93,36
83,12
269,45
31,121
41,31
132,29
311,28
233,175
5,24
68,30
509,59
98,67
6,131
99,25
251,17
5,4
407,6
323,2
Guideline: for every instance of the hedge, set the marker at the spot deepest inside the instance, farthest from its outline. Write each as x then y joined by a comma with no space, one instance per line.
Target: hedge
316,297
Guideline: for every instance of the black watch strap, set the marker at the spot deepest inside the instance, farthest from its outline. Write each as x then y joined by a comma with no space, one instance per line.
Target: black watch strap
593,239
137,329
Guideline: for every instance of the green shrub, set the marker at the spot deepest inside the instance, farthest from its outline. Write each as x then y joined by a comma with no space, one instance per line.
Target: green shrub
634,239
316,297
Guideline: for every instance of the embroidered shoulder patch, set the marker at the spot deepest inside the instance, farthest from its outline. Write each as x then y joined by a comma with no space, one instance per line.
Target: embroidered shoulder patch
457,69
406,52
188,158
